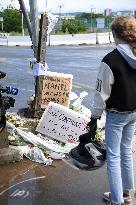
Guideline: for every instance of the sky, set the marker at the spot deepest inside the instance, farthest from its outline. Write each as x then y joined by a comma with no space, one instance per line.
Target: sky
77,5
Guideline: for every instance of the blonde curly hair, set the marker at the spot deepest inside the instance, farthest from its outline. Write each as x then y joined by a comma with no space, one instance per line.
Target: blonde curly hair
124,28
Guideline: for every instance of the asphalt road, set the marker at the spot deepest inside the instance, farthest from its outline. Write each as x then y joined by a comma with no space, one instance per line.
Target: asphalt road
29,183
81,61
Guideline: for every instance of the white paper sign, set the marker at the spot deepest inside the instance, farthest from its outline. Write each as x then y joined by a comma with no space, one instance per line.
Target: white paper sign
39,69
61,123
52,20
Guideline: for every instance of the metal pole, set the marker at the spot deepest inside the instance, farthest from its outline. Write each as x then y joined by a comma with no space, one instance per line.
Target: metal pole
22,24
7,41
22,7
60,7
34,25
2,26
91,17
49,40
46,3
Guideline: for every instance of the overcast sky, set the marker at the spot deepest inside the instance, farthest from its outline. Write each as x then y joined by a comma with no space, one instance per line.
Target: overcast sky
79,5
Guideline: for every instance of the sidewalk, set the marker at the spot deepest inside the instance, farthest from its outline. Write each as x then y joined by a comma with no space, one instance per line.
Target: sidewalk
34,184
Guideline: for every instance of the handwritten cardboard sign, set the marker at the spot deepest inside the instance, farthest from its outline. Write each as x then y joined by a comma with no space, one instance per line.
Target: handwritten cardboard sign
61,123
56,88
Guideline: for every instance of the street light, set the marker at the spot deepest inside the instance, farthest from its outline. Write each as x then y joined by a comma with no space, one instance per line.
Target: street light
60,7
92,8
22,21
22,24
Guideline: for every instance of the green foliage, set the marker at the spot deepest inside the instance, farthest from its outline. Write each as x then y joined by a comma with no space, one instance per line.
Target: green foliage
73,26
89,15
108,21
13,33
12,19
89,19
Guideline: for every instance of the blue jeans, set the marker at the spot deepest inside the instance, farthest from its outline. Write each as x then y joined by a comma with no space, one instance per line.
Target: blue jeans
119,132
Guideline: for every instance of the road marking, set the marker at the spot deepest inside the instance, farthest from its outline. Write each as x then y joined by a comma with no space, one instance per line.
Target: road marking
80,85
31,179
20,193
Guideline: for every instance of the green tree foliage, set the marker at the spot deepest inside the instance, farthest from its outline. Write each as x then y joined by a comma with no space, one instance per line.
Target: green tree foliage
108,21
89,15
73,26
89,19
12,19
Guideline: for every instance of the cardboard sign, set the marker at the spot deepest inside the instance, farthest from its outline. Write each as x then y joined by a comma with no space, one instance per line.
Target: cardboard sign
61,123
56,88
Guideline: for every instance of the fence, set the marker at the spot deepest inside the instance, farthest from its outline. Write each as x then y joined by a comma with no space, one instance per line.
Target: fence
54,40
81,39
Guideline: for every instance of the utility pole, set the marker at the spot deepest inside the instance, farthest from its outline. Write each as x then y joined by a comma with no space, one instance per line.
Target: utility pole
34,25
41,59
39,39
42,38
22,7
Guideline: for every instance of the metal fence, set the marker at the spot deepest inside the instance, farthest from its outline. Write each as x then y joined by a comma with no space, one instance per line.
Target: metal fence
3,39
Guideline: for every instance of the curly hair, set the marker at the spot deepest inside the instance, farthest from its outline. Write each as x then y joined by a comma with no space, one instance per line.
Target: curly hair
124,28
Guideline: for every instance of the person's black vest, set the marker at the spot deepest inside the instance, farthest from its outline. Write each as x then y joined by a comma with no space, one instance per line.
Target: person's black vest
123,93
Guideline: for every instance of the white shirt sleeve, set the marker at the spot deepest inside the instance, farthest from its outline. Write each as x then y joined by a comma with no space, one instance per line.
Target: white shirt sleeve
104,82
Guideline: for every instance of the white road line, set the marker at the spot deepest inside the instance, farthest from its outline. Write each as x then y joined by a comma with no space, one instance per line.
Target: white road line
31,179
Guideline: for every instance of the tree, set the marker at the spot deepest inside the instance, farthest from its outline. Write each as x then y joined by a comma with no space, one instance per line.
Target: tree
73,26
108,21
89,15
12,19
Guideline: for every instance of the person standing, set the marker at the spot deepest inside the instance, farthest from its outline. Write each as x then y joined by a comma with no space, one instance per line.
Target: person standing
116,94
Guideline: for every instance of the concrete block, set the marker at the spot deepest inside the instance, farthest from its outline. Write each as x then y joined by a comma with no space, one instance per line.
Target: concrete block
103,38
8,155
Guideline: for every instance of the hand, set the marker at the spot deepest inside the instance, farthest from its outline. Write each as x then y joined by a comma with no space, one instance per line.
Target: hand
7,102
11,101
90,135
92,125
2,74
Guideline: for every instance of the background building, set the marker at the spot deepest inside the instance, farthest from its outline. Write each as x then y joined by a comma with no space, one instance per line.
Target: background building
124,13
107,12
